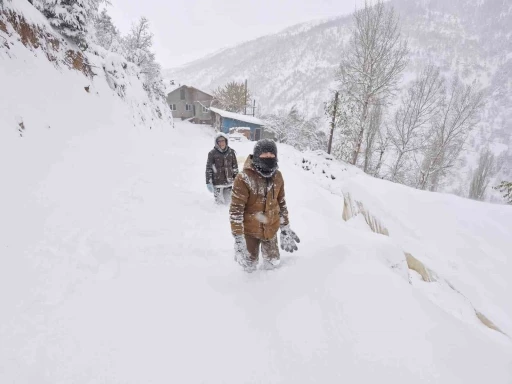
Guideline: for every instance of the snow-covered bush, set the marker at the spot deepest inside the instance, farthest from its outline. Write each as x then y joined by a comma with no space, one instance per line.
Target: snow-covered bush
294,128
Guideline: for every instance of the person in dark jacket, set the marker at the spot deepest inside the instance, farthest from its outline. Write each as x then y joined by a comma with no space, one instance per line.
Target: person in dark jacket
258,210
221,169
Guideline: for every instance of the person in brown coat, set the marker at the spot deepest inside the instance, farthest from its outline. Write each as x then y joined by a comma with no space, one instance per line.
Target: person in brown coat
221,169
258,210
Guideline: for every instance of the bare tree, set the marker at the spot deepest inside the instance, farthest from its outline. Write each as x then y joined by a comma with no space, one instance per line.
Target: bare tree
451,126
419,104
232,97
383,142
376,142
372,134
343,112
373,62
482,175
331,110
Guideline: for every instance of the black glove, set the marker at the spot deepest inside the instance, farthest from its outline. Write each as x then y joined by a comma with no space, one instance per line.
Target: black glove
289,239
242,255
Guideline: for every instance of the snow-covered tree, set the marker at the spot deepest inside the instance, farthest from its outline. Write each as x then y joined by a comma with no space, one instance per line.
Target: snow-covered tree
381,147
232,97
418,105
70,17
106,32
138,44
154,82
481,175
458,115
372,63
345,112
374,137
331,110
294,128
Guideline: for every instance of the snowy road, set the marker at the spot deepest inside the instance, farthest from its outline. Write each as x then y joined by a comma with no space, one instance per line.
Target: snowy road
125,274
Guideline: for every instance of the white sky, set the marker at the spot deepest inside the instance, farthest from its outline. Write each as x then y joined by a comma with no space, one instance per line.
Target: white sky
189,29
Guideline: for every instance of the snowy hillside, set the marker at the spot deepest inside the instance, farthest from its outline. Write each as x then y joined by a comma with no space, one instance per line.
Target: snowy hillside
116,266
61,84
295,66
468,37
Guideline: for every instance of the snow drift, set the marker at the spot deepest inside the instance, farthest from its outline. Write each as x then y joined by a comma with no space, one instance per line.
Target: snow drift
461,245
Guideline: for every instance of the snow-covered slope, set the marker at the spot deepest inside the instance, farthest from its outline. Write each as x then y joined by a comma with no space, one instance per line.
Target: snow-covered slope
465,245
116,266
294,67
49,84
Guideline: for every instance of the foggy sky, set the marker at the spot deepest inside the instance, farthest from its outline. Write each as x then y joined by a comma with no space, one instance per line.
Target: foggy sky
189,29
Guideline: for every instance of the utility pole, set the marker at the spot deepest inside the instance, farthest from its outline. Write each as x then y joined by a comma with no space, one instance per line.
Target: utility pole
333,122
253,106
245,103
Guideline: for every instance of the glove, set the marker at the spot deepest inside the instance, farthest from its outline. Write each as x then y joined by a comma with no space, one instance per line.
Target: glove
242,255
210,187
289,239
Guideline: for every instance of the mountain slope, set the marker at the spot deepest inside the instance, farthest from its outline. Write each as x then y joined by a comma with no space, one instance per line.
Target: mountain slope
292,67
27,37
296,67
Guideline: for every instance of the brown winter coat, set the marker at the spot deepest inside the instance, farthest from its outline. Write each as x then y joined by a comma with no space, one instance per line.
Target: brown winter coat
258,205
221,167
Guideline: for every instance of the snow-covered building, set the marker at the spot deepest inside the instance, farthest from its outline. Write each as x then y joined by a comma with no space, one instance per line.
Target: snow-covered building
190,103
223,121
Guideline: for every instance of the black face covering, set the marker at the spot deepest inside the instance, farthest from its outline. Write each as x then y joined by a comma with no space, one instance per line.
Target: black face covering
265,166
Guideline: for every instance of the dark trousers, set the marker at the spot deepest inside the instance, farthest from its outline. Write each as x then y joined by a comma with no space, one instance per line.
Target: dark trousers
222,195
269,248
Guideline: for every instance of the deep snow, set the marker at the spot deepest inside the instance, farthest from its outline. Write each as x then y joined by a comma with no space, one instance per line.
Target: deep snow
116,266
124,272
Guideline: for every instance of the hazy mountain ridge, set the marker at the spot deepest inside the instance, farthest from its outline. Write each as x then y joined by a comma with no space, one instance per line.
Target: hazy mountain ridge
296,64
288,68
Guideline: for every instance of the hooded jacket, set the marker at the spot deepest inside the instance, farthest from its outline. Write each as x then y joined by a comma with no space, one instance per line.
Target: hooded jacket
221,166
258,205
